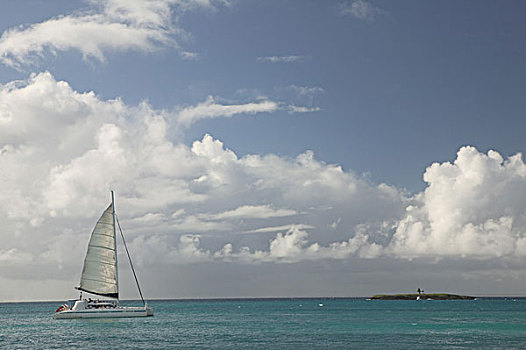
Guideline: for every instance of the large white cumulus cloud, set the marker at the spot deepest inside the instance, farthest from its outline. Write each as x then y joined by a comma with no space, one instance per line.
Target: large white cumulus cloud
62,151
472,207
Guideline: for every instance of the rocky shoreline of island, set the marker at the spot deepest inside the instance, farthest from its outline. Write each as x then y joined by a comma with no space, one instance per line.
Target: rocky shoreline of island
422,296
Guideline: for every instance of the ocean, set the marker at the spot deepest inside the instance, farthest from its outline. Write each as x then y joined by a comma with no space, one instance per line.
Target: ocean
313,323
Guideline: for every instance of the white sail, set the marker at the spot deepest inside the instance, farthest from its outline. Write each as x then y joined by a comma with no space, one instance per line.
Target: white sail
99,275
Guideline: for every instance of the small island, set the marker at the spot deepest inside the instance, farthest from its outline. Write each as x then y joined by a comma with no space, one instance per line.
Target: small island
422,296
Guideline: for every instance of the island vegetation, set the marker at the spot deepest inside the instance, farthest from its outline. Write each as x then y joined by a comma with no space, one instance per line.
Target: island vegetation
421,296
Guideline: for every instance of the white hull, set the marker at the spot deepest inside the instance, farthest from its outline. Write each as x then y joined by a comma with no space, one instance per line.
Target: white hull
118,312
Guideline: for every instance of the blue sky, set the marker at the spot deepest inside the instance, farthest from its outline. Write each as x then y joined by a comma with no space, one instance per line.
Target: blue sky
267,137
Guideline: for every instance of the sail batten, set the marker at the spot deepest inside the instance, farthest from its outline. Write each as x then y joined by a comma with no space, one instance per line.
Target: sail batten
99,274
102,247
97,280
100,262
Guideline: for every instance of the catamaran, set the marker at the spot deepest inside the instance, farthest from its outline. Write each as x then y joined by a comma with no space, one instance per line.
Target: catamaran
100,276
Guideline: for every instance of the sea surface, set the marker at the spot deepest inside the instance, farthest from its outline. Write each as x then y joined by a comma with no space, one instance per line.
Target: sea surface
321,323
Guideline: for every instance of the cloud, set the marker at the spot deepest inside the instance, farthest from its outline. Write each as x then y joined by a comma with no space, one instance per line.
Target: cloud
109,25
281,59
306,91
293,247
281,228
62,151
15,256
210,109
361,9
190,56
473,207
302,109
303,98
253,211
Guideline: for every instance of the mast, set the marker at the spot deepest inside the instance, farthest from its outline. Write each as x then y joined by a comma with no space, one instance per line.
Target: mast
115,242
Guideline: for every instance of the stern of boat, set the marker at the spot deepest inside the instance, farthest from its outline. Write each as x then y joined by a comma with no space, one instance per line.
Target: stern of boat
149,310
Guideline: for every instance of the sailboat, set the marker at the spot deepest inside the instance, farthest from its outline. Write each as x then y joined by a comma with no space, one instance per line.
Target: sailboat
100,276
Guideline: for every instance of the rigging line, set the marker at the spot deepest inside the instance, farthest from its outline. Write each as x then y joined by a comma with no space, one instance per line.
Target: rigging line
129,258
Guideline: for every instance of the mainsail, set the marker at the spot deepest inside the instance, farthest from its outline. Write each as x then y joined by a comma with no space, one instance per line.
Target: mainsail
99,275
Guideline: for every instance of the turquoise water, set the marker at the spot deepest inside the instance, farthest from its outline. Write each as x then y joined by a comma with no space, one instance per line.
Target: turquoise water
277,324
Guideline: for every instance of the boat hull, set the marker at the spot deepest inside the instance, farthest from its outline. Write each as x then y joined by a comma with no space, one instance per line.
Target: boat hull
118,312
